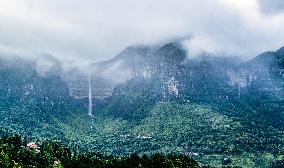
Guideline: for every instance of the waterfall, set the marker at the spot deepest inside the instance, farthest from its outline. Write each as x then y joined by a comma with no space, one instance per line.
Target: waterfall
239,91
90,113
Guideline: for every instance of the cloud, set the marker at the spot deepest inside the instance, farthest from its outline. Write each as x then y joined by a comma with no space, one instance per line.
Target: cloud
272,6
117,73
95,30
200,45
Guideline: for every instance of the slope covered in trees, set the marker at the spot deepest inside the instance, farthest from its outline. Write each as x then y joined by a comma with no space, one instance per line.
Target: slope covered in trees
209,108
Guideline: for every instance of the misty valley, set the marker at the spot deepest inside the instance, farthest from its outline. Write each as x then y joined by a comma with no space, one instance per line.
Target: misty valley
149,106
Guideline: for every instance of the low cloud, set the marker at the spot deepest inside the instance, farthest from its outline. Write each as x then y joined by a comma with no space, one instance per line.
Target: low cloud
94,30
272,6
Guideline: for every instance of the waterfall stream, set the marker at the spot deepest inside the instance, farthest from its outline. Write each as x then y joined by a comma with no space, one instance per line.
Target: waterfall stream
90,113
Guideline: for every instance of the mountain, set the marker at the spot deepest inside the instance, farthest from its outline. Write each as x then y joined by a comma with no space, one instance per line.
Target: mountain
167,73
34,103
169,98
178,74
153,99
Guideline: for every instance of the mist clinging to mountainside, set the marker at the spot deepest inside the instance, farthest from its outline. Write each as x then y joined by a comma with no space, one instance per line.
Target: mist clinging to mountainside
131,84
83,31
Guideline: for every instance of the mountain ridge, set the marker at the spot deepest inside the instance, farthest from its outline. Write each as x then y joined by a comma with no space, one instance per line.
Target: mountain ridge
212,107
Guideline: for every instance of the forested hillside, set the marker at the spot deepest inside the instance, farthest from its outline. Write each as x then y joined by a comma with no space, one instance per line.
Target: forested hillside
209,107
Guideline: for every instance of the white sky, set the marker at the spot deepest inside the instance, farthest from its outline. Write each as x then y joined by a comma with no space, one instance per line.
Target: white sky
95,30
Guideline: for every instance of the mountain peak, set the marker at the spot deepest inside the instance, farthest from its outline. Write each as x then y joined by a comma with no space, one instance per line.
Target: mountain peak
281,51
172,52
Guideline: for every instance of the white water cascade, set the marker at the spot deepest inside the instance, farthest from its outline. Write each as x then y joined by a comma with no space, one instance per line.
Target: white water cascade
239,90
90,113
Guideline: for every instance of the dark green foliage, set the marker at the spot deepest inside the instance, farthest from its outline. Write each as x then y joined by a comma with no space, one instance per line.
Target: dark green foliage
129,106
278,164
280,57
14,153
34,105
209,117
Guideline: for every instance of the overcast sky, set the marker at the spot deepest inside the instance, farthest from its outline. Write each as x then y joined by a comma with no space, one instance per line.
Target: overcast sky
95,30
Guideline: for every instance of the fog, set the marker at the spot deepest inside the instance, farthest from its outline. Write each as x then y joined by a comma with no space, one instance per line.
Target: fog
79,32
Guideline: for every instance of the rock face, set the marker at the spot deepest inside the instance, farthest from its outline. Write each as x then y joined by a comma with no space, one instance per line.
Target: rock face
173,75
77,83
177,76
264,73
140,78
22,84
169,71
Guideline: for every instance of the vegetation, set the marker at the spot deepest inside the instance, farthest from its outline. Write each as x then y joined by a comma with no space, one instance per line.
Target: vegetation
187,108
15,153
191,129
